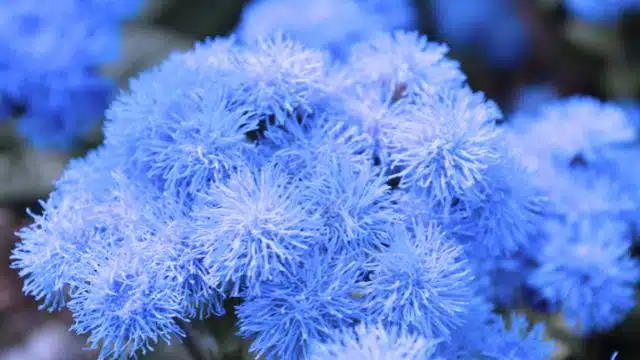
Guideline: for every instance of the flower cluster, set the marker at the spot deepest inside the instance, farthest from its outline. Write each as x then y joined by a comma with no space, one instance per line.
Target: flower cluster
581,148
50,56
373,208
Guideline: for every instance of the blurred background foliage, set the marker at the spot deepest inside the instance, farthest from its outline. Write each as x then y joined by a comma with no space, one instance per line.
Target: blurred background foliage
565,56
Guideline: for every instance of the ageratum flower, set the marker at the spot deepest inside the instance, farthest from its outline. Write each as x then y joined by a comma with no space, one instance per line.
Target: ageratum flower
124,302
487,335
356,205
576,128
419,283
404,59
181,127
516,339
508,214
251,171
587,270
253,226
309,303
300,146
71,218
444,152
367,342
280,76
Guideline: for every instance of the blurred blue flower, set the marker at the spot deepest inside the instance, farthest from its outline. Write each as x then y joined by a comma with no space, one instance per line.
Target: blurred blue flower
563,130
495,28
324,24
51,54
588,271
517,340
530,98
600,11
487,335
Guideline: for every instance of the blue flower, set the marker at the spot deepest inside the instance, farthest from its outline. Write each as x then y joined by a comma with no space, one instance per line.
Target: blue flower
446,150
324,24
507,215
114,9
587,270
57,119
487,335
372,107
578,126
368,209
356,204
517,340
253,225
124,302
181,127
300,146
421,282
589,195
367,342
280,76
600,11
493,27
309,303
273,77
57,81
531,97
71,220
404,59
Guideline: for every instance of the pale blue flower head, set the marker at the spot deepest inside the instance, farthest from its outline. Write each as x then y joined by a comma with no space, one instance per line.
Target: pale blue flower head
60,237
487,335
309,303
588,272
356,205
445,149
368,342
180,126
420,283
124,302
577,126
403,59
301,145
253,225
